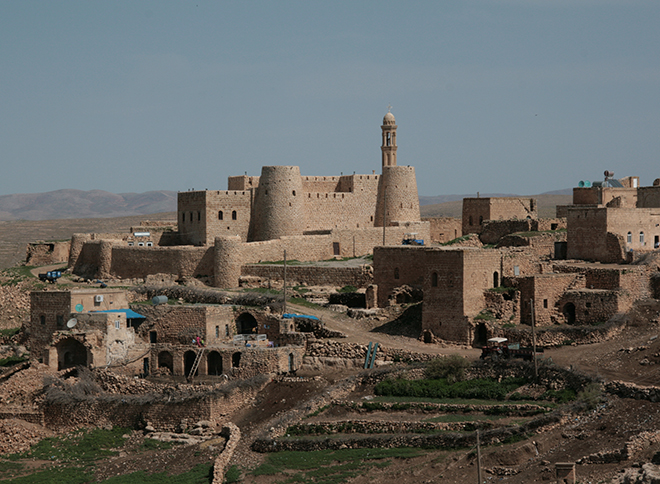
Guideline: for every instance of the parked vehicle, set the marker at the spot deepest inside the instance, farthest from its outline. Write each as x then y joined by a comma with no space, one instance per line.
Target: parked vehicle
50,276
497,348
411,239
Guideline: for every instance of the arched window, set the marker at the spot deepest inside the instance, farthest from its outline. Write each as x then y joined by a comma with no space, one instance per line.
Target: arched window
630,237
220,215
434,279
641,238
233,215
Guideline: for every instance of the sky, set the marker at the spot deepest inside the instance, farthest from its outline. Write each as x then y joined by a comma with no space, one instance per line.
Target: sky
509,96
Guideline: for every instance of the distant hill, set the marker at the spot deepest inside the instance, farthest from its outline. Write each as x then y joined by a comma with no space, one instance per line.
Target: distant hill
72,204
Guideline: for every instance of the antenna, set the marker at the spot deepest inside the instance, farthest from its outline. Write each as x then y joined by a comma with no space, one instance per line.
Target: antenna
71,323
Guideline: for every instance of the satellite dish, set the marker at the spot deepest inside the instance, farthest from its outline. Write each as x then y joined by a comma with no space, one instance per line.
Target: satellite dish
71,323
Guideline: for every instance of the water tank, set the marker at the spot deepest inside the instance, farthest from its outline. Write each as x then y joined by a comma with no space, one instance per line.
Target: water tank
156,300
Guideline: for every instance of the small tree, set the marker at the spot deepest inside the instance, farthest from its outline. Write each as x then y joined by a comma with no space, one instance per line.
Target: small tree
453,368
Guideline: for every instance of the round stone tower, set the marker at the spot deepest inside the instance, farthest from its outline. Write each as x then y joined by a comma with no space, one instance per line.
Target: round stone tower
397,188
278,203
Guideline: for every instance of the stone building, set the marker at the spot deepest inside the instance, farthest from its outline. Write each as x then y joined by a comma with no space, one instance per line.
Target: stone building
476,211
102,331
258,218
613,222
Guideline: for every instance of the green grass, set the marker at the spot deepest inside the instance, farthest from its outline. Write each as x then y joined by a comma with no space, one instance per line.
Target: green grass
347,289
303,302
12,360
9,332
84,446
456,240
454,401
330,466
200,474
153,444
452,418
441,388
263,290
17,274
67,475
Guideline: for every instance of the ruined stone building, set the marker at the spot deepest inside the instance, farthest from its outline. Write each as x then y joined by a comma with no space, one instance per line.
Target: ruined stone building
96,328
257,218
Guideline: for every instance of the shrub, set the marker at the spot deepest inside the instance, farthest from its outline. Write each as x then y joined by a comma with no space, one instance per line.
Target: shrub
591,395
452,368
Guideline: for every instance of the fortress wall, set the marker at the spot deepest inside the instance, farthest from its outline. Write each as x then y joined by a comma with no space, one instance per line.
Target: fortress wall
131,262
397,196
328,211
278,203
219,213
192,224
323,184
312,275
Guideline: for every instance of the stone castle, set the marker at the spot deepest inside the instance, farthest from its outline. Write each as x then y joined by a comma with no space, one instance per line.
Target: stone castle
258,218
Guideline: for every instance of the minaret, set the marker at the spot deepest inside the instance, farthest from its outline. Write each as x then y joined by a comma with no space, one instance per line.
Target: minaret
397,187
388,146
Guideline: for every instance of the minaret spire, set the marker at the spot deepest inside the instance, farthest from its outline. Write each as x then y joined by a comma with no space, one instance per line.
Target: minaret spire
388,146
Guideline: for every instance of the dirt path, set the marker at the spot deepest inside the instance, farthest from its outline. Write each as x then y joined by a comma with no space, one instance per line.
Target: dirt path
359,331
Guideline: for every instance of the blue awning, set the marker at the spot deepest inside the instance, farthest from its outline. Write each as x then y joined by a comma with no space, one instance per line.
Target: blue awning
130,314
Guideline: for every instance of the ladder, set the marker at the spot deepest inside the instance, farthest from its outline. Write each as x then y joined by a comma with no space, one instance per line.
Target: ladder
195,365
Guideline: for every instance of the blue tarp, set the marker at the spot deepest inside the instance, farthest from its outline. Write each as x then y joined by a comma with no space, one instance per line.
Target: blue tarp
303,316
130,314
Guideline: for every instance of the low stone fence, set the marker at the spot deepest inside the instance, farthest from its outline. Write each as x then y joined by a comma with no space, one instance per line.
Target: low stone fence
557,336
32,416
510,409
440,440
233,435
360,276
380,427
337,349
630,390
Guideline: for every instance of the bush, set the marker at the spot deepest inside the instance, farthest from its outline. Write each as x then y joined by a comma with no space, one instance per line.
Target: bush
591,396
440,388
233,474
451,368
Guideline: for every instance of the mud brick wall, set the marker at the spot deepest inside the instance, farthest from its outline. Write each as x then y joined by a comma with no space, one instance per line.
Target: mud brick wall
313,276
444,229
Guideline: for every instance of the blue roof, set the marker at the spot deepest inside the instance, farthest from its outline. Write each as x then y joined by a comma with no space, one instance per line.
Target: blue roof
294,315
130,314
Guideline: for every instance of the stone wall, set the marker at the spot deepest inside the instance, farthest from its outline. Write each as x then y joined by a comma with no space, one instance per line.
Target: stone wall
443,229
360,276
478,210
47,253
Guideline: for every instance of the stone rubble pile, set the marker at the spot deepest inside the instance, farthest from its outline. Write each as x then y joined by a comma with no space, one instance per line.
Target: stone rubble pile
17,436
15,304
24,388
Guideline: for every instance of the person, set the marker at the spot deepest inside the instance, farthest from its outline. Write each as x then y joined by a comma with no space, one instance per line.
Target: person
199,342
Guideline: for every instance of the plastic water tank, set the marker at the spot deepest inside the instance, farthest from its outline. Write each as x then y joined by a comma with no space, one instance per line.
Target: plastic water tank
156,300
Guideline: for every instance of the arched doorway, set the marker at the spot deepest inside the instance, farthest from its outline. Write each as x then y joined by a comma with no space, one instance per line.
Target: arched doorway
569,312
482,335
496,279
214,363
70,353
188,361
236,360
246,324
165,360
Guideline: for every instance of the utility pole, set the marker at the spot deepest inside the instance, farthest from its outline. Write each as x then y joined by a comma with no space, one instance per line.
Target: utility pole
284,282
536,363
479,481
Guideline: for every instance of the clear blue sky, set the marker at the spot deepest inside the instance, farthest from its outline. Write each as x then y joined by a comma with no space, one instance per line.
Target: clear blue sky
490,96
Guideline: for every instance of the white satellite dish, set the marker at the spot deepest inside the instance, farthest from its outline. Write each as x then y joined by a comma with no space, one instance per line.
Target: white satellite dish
71,323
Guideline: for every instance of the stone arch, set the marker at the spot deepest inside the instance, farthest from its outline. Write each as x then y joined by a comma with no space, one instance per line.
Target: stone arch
70,353
221,215
165,360
188,361
214,363
569,312
246,324
233,215
236,359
